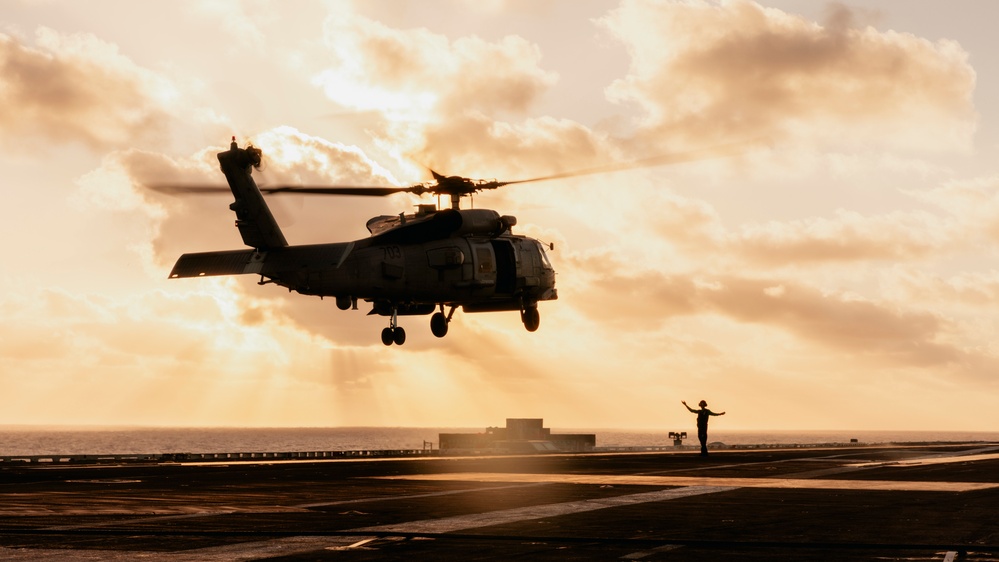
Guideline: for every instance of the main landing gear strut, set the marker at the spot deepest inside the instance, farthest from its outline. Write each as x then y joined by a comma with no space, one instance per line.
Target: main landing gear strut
394,333
439,322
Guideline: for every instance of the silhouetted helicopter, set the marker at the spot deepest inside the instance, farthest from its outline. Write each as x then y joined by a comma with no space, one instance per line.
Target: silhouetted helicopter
412,264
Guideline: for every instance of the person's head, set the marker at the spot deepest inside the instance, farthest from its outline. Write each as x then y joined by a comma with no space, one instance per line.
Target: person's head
703,404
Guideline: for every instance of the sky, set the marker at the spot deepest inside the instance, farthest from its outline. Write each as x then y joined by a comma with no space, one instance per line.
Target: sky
836,269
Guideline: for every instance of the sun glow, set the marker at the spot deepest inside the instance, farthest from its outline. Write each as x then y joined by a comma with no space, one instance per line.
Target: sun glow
414,107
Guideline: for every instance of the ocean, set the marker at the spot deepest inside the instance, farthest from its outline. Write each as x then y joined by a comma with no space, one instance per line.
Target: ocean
38,440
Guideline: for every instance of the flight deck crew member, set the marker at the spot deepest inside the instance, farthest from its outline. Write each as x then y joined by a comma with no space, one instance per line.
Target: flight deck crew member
702,423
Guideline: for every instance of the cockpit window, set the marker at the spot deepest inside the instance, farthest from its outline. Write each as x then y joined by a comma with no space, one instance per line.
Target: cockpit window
544,257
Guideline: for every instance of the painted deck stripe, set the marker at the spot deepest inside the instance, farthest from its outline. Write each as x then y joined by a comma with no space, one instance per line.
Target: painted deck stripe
705,481
245,551
516,515
923,461
649,552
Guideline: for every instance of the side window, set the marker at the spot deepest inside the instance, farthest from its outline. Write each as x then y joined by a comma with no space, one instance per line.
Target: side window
485,259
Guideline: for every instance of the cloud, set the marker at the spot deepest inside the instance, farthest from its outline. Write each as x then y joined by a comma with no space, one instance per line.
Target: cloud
975,202
856,326
838,321
973,291
734,70
77,88
297,158
960,217
474,144
847,237
409,73
234,19
455,104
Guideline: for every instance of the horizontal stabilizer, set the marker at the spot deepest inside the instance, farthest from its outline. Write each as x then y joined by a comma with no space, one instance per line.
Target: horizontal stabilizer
232,262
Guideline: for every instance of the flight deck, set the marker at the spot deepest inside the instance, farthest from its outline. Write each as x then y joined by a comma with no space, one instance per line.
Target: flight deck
897,502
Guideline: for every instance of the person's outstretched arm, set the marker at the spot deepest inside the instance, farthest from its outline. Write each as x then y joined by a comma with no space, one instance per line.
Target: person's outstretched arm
684,402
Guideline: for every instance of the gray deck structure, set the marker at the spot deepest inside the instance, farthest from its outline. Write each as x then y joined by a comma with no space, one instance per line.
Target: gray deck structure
915,502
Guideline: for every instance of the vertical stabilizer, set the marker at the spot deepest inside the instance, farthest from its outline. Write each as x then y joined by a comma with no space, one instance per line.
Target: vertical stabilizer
254,220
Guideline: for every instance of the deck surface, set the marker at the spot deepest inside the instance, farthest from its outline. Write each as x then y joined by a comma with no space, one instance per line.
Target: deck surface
920,502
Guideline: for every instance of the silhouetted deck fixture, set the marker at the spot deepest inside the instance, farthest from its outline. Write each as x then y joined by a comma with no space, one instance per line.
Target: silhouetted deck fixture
677,437
521,435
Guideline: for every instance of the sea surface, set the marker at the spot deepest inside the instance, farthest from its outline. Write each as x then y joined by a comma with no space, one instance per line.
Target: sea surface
38,440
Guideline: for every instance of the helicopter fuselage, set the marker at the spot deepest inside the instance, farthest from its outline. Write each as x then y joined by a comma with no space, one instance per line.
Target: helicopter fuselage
497,273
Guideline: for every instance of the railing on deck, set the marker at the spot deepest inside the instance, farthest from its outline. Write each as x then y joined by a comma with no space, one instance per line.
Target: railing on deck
209,457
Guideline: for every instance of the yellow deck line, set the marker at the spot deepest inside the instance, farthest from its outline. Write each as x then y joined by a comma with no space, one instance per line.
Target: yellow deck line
783,483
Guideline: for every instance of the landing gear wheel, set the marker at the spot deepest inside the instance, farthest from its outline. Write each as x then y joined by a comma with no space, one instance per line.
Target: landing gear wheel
394,333
531,318
399,336
438,324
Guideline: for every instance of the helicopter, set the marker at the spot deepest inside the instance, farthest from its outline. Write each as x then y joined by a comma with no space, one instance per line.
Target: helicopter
421,263
411,264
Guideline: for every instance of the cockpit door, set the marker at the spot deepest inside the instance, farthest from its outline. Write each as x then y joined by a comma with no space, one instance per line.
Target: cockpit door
506,266
484,262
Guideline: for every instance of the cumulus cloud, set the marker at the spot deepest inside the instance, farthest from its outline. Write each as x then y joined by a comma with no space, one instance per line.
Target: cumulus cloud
456,104
975,202
948,220
835,320
474,144
847,237
972,291
854,325
413,72
735,69
297,158
76,88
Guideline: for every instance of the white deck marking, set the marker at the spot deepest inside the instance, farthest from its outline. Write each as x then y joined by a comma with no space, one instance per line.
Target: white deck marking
923,461
489,518
254,550
705,481
646,553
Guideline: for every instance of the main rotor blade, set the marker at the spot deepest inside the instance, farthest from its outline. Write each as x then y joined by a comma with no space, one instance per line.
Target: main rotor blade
201,189
335,190
457,186
724,150
196,189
